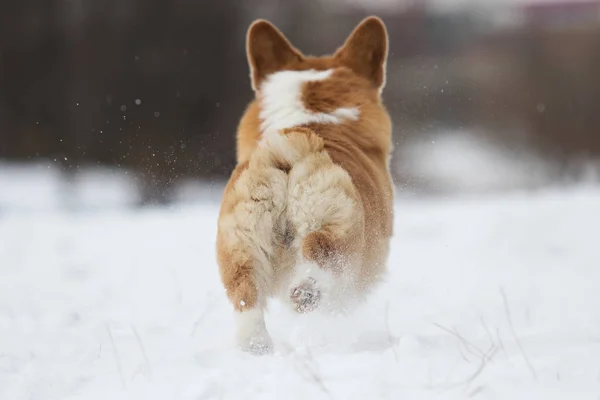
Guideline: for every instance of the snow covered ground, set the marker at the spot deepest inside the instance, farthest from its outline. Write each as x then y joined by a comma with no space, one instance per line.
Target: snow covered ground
488,297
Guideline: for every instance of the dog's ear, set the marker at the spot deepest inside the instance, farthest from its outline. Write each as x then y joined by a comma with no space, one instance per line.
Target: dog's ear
268,51
366,50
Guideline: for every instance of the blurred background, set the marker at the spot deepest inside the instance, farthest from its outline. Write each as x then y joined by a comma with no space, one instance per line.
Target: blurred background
136,102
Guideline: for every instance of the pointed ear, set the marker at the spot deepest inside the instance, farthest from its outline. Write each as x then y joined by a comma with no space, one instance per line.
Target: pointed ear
366,50
268,51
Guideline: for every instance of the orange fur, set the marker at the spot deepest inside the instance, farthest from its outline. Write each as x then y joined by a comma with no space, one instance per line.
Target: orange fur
318,192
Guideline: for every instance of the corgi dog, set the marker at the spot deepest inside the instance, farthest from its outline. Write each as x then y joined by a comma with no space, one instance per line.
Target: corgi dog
307,214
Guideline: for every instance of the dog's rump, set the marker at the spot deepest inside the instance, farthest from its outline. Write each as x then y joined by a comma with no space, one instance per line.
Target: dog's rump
290,204
320,194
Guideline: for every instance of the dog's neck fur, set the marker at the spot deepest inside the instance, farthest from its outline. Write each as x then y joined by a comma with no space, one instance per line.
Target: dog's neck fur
282,105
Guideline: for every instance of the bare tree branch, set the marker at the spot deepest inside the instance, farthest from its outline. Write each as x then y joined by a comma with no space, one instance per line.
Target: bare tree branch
389,331
468,345
143,349
117,357
512,329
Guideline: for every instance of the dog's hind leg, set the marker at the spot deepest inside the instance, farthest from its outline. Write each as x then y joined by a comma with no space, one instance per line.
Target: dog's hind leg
253,204
326,211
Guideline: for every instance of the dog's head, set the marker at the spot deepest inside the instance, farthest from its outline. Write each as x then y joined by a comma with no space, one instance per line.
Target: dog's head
292,89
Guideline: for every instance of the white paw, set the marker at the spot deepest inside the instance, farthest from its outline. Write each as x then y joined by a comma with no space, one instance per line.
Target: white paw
306,296
258,345
252,335
310,287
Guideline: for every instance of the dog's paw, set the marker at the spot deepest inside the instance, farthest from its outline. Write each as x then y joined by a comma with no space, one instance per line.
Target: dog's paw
258,345
252,335
306,296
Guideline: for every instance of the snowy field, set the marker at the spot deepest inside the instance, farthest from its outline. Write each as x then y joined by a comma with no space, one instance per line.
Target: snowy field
488,297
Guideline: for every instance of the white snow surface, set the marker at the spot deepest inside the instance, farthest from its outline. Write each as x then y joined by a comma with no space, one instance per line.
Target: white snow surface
489,297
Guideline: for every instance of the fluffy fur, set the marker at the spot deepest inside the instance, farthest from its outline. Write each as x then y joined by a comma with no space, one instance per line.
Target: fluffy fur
307,214
282,105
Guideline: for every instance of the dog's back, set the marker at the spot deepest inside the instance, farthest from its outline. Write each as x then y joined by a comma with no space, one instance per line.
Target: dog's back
307,214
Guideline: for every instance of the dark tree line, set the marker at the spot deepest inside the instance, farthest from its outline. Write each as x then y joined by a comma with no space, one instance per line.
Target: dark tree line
158,86
137,84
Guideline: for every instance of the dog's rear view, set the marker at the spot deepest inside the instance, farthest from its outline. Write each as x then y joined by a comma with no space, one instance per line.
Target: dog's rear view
307,213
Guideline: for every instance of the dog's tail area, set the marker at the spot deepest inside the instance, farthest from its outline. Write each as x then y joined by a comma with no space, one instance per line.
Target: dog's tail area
323,207
287,147
307,211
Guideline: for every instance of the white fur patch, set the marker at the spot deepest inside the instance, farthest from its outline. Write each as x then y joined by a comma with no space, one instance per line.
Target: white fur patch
338,293
325,281
282,107
252,333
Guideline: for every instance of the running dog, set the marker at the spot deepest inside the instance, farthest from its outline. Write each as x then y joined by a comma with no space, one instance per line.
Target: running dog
307,213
